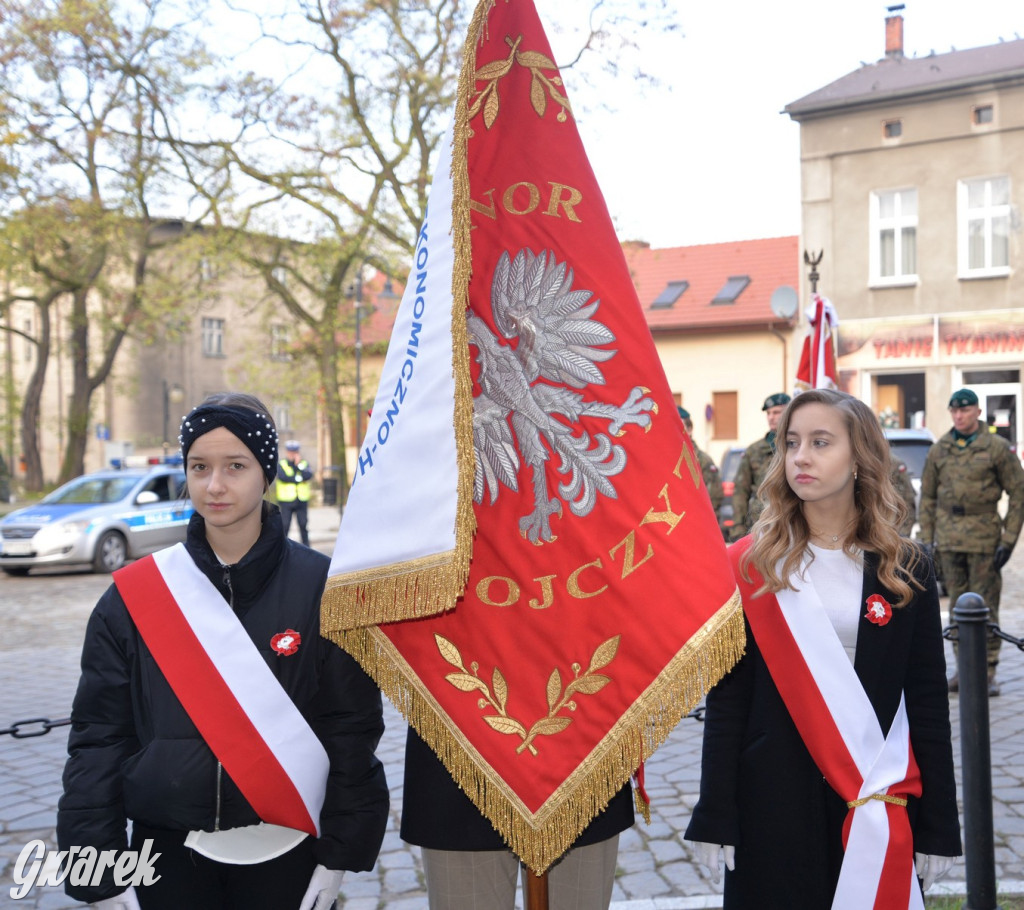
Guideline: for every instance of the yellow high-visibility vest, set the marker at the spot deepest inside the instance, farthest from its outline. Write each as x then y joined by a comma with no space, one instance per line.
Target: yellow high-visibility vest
290,490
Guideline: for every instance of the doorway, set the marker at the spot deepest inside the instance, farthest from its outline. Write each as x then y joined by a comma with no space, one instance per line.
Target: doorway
999,396
899,399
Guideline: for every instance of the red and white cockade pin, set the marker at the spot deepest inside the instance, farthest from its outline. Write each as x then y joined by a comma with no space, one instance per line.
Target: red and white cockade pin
879,610
286,643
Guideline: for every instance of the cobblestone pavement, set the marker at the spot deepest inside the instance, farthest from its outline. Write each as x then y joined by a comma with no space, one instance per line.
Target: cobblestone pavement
43,619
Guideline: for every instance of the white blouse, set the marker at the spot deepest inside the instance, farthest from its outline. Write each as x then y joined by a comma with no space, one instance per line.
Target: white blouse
838,580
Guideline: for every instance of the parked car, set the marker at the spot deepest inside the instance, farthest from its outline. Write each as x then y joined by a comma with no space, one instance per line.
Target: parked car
912,446
101,519
728,467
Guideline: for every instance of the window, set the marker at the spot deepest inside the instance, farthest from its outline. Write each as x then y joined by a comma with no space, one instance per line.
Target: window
725,414
982,114
207,270
213,337
983,207
731,289
280,275
892,129
161,486
30,348
282,418
280,338
673,291
893,221
972,378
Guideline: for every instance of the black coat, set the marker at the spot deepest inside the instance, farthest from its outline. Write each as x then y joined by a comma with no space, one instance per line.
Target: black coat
135,753
438,815
761,791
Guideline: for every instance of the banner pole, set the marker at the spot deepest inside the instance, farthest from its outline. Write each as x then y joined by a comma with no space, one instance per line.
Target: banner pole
536,890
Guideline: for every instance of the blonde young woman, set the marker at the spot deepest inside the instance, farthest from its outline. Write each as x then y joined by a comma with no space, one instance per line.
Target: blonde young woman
827,772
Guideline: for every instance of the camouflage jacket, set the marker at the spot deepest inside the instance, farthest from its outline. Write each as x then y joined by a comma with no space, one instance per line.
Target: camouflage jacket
960,491
901,480
753,466
712,477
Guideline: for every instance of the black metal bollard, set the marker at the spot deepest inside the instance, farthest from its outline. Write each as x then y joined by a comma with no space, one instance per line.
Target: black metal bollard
971,616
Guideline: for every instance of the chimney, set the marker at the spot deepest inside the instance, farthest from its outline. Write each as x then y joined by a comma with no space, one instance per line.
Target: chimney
894,31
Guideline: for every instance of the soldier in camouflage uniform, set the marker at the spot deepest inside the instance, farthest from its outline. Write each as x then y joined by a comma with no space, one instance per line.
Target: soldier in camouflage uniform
901,480
753,467
708,468
965,475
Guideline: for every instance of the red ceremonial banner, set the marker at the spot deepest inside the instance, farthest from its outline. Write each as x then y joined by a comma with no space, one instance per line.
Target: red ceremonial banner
600,604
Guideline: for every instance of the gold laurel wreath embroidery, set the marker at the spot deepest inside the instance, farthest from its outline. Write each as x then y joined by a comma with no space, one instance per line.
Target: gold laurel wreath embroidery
589,683
540,85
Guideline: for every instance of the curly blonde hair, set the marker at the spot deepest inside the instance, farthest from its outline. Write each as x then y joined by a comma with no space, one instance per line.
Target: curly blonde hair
781,535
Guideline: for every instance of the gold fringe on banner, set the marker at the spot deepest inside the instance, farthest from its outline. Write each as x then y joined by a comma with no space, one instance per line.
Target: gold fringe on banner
421,587
539,839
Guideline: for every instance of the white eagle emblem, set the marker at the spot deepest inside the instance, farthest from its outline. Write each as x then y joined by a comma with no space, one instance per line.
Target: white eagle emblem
525,410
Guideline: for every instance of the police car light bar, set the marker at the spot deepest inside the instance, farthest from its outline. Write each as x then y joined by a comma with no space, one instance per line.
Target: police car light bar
144,461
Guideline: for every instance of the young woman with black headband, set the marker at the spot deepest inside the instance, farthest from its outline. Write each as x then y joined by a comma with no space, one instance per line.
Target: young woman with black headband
210,712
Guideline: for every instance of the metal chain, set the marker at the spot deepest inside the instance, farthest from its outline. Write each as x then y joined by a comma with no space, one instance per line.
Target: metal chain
45,726
952,634
17,731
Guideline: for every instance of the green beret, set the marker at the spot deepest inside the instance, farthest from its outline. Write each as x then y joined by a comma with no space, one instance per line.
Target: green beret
683,412
773,401
963,398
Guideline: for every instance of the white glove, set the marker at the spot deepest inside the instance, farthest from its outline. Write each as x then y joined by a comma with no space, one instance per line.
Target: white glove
124,901
710,857
323,889
931,868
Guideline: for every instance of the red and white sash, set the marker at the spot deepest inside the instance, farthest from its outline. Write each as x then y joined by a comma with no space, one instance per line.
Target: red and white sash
873,773
229,692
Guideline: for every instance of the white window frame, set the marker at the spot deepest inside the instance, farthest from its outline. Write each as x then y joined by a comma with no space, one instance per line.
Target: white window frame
280,340
987,215
282,417
898,223
213,337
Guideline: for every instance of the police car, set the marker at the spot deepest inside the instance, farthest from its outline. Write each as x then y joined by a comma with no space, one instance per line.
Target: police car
101,519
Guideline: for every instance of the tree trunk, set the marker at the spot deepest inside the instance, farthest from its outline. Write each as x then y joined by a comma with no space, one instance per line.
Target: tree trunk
81,390
31,406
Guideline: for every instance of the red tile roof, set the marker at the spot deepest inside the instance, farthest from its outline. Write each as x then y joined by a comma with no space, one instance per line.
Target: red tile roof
769,263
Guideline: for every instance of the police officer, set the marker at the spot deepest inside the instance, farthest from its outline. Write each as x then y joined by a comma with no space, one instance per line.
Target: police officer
293,489
753,466
708,468
965,475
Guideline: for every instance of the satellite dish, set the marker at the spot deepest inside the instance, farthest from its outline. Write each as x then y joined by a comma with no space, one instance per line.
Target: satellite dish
784,302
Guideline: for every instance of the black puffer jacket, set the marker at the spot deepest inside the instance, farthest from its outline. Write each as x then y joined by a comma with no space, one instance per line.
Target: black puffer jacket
134,752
